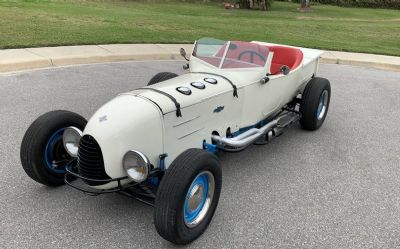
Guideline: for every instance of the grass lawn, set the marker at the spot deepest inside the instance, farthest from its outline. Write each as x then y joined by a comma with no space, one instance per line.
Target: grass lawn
32,23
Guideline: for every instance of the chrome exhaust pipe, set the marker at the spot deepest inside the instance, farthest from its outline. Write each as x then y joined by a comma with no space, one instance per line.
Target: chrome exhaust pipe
243,140
273,129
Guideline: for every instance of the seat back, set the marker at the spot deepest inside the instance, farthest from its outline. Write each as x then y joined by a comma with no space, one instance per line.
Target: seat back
285,56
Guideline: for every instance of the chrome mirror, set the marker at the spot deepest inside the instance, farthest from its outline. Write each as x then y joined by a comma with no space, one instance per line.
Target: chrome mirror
183,53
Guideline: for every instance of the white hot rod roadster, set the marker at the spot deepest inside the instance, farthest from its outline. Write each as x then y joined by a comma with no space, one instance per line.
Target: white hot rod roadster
157,143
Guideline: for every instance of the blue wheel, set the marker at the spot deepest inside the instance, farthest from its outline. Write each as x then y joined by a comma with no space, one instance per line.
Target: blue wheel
55,156
43,156
187,196
199,198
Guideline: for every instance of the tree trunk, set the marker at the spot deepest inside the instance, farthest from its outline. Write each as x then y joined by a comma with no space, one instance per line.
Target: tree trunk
305,4
263,5
244,4
254,4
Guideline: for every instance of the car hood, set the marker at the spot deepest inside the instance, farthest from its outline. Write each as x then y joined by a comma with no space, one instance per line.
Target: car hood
169,87
126,123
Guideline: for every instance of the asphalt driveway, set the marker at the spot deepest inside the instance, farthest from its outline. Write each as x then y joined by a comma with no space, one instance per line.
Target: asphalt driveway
338,187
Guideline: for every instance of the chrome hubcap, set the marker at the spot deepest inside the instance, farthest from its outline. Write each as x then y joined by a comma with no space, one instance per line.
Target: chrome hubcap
195,197
199,198
323,104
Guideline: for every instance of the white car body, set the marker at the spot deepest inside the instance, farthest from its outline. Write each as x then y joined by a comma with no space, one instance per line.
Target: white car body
146,121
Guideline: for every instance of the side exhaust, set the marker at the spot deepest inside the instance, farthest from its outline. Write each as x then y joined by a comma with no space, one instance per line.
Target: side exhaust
240,142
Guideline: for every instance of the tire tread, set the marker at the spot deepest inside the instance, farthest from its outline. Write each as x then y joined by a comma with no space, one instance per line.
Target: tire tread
163,76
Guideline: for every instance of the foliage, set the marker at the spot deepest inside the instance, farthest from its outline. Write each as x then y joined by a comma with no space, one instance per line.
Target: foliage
69,22
247,4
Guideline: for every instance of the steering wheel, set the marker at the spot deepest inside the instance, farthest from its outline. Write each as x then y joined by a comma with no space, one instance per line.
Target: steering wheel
252,53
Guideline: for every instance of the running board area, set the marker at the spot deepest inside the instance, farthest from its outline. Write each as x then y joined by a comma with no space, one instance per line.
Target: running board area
265,133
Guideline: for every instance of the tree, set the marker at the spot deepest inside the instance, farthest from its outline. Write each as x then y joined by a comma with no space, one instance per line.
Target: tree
256,4
305,4
264,4
244,4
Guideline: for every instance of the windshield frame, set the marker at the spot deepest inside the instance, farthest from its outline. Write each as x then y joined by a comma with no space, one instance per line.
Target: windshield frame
224,55
223,58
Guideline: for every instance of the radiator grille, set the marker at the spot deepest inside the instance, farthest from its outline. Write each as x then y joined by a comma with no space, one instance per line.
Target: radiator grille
90,161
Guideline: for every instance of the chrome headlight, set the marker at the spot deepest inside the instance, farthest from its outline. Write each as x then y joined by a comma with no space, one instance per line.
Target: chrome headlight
136,165
71,138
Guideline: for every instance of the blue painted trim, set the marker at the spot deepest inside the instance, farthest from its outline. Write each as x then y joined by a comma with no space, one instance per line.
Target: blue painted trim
47,152
202,180
212,148
162,161
153,181
244,129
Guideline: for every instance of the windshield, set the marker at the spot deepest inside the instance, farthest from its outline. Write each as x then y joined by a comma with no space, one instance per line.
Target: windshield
231,54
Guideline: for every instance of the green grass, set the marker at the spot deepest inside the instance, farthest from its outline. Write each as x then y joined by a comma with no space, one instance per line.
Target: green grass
33,23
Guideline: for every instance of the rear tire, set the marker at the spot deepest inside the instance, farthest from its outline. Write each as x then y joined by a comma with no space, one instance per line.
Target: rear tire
315,103
161,77
188,196
43,156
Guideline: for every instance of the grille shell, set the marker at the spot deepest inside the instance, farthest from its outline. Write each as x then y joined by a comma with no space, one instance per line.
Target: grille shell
90,161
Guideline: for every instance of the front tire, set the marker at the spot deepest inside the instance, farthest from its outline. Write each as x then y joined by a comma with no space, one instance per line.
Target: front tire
43,155
315,103
188,196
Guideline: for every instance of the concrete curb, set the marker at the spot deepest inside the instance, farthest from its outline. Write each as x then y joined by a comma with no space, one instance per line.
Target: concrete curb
384,62
30,58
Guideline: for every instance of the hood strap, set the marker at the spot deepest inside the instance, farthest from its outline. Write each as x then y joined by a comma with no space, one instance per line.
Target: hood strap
177,105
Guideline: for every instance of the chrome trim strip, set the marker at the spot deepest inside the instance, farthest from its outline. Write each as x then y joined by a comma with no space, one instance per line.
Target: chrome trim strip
190,133
184,122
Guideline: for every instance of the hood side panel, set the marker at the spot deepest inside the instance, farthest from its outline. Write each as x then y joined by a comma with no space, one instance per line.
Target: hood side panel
127,123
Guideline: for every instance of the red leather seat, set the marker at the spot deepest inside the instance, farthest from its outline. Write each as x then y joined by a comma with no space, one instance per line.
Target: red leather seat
291,57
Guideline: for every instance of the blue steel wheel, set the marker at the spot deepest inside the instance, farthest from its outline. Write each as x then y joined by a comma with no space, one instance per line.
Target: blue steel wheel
198,198
43,156
55,155
187,196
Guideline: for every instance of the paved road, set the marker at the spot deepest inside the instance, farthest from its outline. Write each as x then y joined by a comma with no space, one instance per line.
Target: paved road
338,187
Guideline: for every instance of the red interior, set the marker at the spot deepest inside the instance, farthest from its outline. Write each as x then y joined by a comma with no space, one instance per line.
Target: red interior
283,56
246,57
291,57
